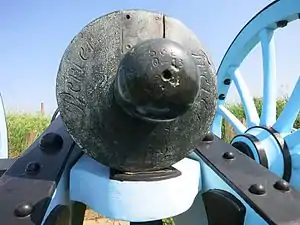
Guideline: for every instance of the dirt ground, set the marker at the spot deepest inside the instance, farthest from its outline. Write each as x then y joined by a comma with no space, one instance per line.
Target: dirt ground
92,218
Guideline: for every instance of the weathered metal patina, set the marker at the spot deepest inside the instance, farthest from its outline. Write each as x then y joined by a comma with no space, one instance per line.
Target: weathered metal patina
136,90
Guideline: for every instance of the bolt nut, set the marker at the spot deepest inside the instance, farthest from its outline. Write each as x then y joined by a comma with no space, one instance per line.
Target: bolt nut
282,23
221,97
33,167
228,155
227,81
208,137
282,185
257,189
23,210
51,142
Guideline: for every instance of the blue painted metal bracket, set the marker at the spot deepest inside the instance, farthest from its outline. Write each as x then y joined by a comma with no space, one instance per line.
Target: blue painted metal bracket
135,201
41,191
260,190
262,193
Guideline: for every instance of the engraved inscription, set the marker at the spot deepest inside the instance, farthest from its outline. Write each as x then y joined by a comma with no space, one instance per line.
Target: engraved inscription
155,62
203,62
76,72
74,87
101,77
201,59
75,75
163,52
72,102
152,53
177,62
71,97
87,49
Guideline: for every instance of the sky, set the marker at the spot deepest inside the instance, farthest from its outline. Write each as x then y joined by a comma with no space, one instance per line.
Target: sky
35,34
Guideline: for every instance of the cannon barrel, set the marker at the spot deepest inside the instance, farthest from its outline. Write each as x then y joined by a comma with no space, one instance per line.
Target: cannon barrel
136,90
157,87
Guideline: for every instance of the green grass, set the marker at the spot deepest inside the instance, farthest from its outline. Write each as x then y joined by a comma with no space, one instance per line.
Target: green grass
238,111
20,127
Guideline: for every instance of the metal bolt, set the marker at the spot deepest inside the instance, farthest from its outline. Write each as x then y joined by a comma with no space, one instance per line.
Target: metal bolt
221,97
257,189
33,167
51,142
208,137
227,81
228,155
282,185
282,23
23,210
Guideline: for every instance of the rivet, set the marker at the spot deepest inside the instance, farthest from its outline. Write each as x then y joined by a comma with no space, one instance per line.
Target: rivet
228,155
128,46
208,137
282,23
23,210
257,189
221,97
33,167
51,142
227,81
282,185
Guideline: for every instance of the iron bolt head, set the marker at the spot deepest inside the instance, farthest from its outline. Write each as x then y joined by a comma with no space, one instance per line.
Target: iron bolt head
282,185
23,210
33,167
221,97
227,81
51,142
208,137
228,155
257,189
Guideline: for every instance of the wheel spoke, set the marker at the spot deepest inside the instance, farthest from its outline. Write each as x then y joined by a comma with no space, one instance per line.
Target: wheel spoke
290,112
246,98
268,114
293,140
237,125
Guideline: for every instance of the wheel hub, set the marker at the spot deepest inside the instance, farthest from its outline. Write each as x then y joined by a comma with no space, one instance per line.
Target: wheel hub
267,147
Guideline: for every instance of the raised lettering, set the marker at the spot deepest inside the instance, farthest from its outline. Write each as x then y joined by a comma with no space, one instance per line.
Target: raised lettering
74,87
72,102
86,51
201,59
76,72
155,62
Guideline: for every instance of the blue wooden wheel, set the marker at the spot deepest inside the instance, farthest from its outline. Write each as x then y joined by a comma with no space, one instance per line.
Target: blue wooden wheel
271,141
